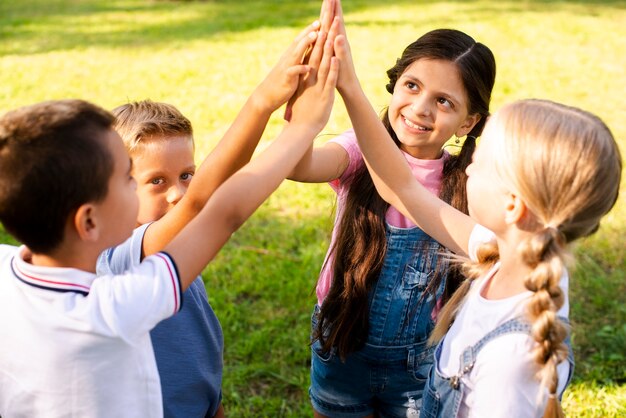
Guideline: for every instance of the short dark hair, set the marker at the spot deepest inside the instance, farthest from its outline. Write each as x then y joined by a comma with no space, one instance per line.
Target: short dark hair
53,158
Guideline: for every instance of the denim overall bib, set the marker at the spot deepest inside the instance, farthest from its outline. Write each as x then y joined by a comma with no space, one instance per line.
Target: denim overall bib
442,397
392,367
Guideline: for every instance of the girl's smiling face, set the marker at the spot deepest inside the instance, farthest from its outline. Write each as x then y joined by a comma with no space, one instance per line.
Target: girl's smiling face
428,106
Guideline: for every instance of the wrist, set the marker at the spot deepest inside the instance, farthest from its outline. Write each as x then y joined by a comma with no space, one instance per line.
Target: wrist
350,90
259,104
305,130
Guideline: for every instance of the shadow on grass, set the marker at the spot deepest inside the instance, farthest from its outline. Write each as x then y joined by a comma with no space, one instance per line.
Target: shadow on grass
35,26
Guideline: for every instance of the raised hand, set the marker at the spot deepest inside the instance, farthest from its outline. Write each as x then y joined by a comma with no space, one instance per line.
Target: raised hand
315,95
327,13
282,81
347,75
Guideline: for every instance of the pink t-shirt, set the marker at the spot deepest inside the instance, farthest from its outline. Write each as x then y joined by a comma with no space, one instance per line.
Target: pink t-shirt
427,172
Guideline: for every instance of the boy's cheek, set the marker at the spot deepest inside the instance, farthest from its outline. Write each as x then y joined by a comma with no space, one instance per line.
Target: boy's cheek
151,208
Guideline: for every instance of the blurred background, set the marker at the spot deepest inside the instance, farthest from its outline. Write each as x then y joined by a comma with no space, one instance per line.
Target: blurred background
206,57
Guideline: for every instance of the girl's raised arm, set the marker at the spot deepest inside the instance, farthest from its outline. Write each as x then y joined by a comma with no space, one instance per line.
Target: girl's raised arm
388,168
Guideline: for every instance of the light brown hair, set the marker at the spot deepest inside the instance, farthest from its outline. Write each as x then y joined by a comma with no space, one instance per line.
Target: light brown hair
137,122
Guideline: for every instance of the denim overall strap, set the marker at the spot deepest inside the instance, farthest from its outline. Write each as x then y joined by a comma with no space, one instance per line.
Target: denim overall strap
517,324
468,356
443,395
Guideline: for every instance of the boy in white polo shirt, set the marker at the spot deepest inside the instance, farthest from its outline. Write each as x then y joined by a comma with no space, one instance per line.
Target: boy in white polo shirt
74,344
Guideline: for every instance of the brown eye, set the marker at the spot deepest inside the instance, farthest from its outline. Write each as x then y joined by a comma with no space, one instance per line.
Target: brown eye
445,102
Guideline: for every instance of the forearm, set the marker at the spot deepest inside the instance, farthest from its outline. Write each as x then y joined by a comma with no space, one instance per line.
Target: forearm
264,174
235,201
231,153
388,168
303,167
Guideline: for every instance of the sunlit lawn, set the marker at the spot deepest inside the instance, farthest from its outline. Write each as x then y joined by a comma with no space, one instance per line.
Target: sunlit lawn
206,57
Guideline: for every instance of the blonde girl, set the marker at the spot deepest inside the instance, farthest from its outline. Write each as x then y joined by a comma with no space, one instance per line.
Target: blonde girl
542,176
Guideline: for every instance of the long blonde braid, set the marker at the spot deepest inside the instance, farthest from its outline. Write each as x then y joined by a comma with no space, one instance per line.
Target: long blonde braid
544,253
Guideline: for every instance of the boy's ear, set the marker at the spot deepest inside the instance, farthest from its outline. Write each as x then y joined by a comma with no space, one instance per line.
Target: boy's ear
86,223
467,126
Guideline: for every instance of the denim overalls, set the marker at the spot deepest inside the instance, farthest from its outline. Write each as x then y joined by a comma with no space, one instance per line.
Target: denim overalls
443,396
389,373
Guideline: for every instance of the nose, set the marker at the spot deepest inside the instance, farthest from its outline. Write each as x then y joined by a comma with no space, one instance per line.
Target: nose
421,106
175,193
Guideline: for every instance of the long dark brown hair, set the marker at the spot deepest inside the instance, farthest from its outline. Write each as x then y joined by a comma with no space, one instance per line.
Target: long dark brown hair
360,247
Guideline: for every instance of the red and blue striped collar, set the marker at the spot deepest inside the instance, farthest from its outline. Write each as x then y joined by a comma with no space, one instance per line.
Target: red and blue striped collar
56,279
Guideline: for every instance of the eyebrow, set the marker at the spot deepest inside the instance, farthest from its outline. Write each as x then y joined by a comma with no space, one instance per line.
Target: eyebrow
438,93
161,173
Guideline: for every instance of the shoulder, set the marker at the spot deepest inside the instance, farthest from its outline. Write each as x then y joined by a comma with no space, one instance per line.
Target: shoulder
346,140
7,251
118,259
480,235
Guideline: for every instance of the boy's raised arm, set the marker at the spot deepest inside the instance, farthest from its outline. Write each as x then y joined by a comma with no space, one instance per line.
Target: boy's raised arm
247,189
389,170
238,144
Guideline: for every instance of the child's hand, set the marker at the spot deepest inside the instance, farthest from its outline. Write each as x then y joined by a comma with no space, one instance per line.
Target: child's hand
347,76
282,81
327,13
315,94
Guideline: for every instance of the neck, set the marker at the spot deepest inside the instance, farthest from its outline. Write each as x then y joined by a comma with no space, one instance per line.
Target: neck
508,281
63,258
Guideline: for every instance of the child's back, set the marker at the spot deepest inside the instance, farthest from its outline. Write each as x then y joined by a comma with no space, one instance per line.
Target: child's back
60,346
71,342
188,347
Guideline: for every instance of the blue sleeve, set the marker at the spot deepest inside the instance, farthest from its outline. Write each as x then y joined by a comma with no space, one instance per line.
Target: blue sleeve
118,259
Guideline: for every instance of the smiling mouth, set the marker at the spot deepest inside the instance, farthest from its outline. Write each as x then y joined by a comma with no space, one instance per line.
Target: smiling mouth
416,126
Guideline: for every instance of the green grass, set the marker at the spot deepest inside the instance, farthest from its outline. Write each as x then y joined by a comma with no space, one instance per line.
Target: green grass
206,57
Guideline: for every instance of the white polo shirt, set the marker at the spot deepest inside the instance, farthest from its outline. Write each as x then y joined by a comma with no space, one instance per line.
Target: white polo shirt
75,345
